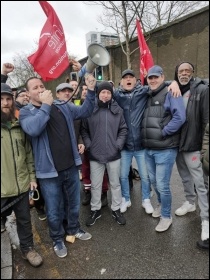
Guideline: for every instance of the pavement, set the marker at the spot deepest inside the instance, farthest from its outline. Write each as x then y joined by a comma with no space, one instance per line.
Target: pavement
146,254
6,256
6,253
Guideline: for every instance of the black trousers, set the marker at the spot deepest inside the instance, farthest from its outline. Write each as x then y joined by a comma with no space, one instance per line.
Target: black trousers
23,220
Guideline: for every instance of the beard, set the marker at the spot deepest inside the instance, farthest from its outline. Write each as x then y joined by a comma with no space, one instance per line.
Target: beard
6,117
184,80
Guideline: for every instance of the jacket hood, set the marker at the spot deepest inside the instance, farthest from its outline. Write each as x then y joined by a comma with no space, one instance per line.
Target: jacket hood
114,107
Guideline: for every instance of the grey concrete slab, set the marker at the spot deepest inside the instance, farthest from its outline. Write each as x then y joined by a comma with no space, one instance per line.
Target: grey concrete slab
6,256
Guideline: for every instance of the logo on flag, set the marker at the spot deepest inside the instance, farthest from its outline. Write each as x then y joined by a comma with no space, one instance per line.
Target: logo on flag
51,58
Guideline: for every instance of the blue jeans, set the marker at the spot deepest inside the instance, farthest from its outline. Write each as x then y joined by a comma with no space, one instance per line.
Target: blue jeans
62,194
159,165
126,160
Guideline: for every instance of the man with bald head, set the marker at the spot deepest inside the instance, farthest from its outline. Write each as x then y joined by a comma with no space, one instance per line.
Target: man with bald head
196,99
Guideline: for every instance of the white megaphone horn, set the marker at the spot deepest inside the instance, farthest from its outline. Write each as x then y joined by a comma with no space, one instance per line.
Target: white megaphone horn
97,56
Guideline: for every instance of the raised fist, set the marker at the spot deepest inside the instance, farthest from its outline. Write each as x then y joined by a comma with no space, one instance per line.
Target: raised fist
7,68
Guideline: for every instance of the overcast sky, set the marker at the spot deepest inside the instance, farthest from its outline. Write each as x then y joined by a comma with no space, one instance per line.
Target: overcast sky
22,22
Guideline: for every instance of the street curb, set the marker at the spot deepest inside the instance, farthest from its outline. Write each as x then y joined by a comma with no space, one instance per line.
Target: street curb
6,256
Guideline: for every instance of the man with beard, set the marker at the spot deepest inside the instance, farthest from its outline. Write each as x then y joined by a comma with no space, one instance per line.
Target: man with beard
18,174
21,99
196,100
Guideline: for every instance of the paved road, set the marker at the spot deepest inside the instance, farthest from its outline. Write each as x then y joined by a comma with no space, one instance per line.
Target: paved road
133,251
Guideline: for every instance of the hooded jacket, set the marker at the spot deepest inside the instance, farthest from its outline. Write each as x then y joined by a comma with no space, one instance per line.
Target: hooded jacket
197,117
17,164
104,133
197,112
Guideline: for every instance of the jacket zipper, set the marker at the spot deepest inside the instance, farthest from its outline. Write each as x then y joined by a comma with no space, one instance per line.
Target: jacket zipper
17,147
14,161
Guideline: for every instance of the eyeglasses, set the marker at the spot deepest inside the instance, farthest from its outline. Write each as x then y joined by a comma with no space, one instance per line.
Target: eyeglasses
22,95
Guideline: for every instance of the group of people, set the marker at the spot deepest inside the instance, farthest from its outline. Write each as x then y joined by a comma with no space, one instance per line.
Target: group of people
158,124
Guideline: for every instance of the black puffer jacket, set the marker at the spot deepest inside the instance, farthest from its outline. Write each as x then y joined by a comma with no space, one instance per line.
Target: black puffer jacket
197,116
104,133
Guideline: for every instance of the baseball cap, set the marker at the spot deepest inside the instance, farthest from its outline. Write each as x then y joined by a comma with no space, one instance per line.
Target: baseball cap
6,89
128,72
63,86
155,70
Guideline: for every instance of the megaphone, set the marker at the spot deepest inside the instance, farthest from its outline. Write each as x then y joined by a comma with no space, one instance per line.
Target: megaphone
97,56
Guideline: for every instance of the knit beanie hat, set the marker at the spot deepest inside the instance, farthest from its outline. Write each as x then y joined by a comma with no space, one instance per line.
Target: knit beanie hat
104,85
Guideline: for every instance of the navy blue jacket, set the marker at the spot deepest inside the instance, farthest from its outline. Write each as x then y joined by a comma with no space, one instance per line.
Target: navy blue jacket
133,104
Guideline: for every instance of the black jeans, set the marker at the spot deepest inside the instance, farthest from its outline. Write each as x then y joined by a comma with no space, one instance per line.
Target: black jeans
23,220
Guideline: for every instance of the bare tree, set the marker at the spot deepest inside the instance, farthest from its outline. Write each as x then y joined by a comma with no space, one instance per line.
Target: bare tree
120,16
22,70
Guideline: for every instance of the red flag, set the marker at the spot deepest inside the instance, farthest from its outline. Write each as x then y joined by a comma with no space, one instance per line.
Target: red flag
146,60
51,58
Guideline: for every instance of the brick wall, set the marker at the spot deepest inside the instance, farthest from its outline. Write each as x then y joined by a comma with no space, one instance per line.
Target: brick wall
186,39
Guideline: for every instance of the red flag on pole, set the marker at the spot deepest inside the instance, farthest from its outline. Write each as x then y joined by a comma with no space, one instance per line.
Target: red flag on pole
51,58
146,60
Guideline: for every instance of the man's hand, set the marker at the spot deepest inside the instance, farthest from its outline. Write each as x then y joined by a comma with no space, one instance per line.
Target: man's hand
81,148
174,88
90,81
75,65
7,68
33,186
46,97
